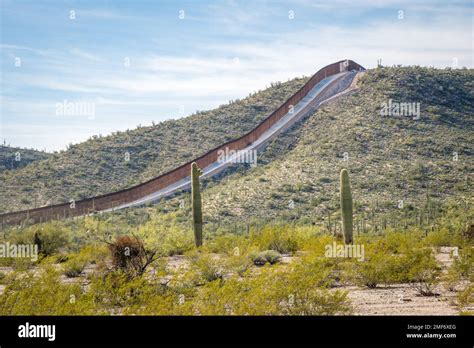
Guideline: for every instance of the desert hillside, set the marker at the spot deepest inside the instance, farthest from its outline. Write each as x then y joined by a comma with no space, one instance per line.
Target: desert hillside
108,163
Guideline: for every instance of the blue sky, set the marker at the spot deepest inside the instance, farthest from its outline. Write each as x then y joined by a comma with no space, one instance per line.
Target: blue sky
220,50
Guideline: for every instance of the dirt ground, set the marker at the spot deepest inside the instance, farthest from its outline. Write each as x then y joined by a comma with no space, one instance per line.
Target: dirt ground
403,299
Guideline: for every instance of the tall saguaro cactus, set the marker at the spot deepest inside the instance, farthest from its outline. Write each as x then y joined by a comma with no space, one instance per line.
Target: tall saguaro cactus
196,203
346,206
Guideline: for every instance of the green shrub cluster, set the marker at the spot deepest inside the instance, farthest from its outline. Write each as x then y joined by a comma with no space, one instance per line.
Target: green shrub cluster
266,256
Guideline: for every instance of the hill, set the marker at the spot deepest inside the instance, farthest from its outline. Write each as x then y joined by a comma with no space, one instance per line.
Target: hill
14,158
397,163
408,164
104,164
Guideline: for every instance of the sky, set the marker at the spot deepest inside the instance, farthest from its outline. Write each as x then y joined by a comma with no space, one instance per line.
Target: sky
73,69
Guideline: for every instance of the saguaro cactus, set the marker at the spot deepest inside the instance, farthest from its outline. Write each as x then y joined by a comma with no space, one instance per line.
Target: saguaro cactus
196,203
346,206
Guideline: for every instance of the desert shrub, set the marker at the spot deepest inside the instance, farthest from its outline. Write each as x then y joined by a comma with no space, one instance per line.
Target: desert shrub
468,233
299,290
130,255
439,238
279,238
317,244
451,279
262,257
50,238
238,264
91,254
116,290
305,293
60,258
455,224
397,242
20,263
3,277
371,272
174,298
378,267
461,269
423,270
73,268
292,292
94,253
414,265
167,303
465,299
126,252
44,294
336,271
207,267
210,269
163,234
176,244
283,245
398,257
229,244
464,263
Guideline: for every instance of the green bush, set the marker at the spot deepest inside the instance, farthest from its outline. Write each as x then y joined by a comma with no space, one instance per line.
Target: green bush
116,290
19,263
397,242
3,277
229,244
279,238
163,235
239,264
440,238
423,271
270,256
336,271
272,292
73,268
44,294
92,254
461,269
465,299
207,267
51,237
378,267
464,263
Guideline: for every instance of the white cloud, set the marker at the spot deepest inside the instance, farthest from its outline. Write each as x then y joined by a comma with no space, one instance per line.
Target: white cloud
85,55
98,13
12,48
